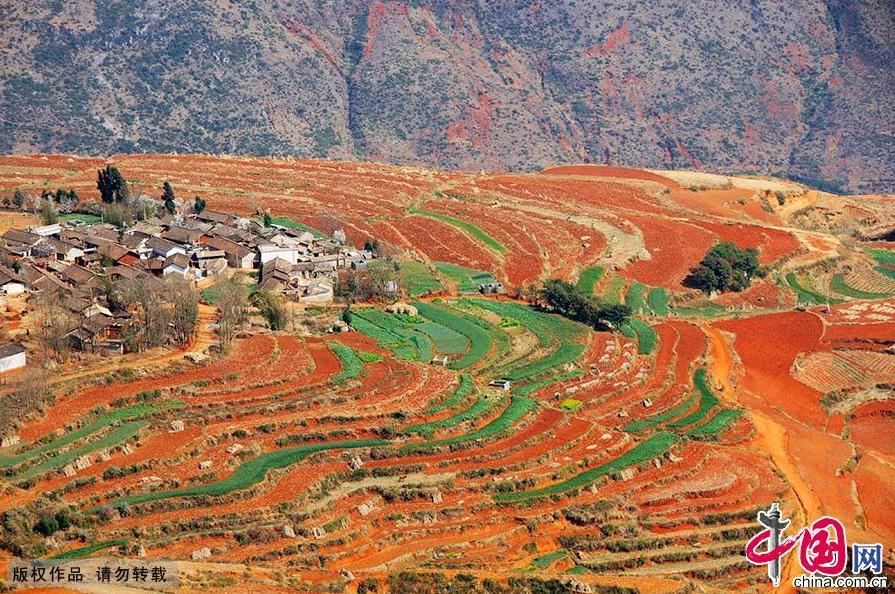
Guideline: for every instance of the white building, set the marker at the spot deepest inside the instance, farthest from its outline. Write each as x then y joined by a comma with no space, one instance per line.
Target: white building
12,356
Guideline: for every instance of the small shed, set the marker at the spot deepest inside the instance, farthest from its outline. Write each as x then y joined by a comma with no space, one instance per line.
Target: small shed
501,384
12,356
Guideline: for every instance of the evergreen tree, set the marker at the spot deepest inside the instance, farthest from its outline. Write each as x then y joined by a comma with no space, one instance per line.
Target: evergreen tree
725,267
268,220
168,197
18,198
198,204
111,185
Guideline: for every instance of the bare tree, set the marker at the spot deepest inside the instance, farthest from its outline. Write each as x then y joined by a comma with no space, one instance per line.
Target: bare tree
53,323
232,301
184,301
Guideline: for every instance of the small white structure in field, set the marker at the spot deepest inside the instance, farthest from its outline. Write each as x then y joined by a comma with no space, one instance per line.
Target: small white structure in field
204,464
176,426
151,480
105,456
318,532
346,573
68,470
436,497
622,414
366,508
127,449
657,462
199,554
627,474
647,403
12,356
83,462
288,531
236,447
355,462
401,308
501,384
9,441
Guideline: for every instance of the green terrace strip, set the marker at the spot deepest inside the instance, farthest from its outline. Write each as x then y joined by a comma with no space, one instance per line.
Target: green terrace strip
130,413
545,561
463,390
589,279
613,291
887,272
479,339
642,424
82,552
417,279
705,309
707,400
119,435
717,424
81,216
351,363
467,279
658,301
386,330
520,405
461,224
647,339
805,295
634,298
566,353
290,224
841,287
248,473
478,408
647,450
881,256
446,340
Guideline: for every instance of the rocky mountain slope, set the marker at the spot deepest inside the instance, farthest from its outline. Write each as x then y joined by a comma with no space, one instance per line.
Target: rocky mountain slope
802,88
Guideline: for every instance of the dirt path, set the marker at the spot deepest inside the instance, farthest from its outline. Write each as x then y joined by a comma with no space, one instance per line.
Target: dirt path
770,436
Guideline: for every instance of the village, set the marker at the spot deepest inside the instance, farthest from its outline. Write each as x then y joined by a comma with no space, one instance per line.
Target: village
74,262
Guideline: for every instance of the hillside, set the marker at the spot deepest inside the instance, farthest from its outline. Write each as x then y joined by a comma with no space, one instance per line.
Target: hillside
803,89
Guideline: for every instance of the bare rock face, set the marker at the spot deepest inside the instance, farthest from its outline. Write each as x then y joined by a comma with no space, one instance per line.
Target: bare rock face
802,89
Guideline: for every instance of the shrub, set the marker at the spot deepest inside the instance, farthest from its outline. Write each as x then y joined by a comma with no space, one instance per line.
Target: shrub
725,267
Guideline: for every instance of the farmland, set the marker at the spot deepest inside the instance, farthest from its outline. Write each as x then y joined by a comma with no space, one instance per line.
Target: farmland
483,433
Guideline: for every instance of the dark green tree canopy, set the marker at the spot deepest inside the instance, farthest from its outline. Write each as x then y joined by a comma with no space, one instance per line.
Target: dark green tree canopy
198,204
725,267
570,301
168,197
111,185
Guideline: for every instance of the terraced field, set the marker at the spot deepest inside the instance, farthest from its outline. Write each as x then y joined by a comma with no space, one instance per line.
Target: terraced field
632,459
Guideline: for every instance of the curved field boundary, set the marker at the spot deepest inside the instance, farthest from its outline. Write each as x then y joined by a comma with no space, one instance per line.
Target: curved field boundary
647,339
446,339
462,391
370,321
651,448
566,353
130,413
841,287
805,295
352,366
114,438
886,272
589,279
612,292
707,309
248,473
717,424
466,279
417,278
478,408
480,340
82,552
707,400
634,297
638,426
881,256
463,226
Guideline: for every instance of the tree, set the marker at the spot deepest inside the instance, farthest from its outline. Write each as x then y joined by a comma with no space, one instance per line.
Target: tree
272,307
198,204
168,197
53,322
570,301
184,300
48,213
725,267
231,301
18,198
111,185
116,214
268,220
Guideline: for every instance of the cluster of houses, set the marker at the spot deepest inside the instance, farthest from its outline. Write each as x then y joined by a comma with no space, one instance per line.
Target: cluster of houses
78,259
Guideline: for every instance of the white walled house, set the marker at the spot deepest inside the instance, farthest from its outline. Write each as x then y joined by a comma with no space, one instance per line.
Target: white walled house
12,356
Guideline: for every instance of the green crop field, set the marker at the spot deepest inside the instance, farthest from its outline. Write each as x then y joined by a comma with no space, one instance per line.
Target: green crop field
647,339
635,297
809,296
887,272
658,301
717,424
479,339
446,340
81,216
642,424
566,353
130,413
612,294
707,400
88,550
352,366
651,448
465,226
418,279
518,408
114,438
463,390
466,279
290,224
545,561
248,473
589,279
841,287
705,309
386,331
881,256
478,408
